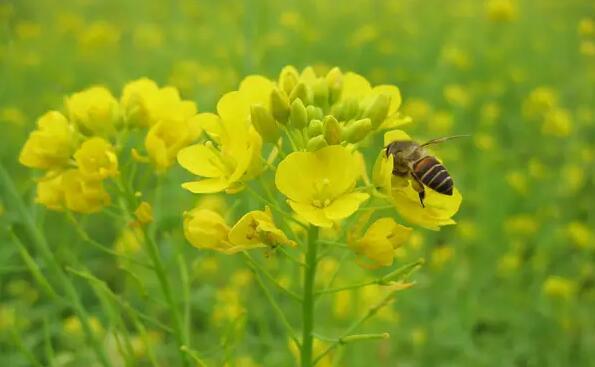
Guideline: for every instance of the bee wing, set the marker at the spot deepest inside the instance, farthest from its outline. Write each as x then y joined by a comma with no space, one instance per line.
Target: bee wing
443,139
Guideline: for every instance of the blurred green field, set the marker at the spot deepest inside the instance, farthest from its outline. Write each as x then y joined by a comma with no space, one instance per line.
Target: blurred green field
511,284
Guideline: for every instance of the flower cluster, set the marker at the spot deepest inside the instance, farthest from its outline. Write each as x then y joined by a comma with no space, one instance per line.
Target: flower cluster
78,147
316,124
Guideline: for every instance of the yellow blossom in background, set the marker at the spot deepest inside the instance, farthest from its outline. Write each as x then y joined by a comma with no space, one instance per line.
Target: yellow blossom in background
96,159
148,36
558,122
501,10
167,137
508,264
128,241
51,144
94,111
540,101
580,235
559,287
380,240
342,305
440,256
97,37
72,325
257,229
457,95
12,115
521,224
82,195
144,213
518,181
318,189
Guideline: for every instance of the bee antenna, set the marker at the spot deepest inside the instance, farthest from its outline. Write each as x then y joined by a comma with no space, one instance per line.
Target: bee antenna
443,139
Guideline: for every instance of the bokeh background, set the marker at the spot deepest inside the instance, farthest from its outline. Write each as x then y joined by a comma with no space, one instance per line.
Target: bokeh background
512,284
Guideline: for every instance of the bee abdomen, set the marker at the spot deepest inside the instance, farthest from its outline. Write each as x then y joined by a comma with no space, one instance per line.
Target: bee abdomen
433,174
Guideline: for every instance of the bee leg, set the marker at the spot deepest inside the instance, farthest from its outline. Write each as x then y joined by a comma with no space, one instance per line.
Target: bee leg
419,187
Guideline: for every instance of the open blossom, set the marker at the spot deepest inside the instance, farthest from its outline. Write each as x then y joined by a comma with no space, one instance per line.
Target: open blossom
319,185
51,144
439,209
144,104
96,159
230,158
93,110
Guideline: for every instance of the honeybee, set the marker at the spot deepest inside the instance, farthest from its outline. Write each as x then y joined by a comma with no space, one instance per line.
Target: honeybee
412,160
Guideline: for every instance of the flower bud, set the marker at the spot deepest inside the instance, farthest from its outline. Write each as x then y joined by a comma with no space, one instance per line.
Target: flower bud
264,123
316,143
321,93
288,79
315,128
347,110
314,113
357,130
332,130
144,213
303,92
298,116
378,109
334,80
279,106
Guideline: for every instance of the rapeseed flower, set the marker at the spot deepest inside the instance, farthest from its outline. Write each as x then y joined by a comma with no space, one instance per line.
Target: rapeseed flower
257,228
51,144
82,195
167,137
380,241
96,159
94,111
318,188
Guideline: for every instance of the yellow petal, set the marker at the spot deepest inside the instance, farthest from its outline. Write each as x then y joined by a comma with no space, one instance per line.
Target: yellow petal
206,186
311,214
345,205
233,107
256,89
355,86
438,210
393,92
393,135
200,160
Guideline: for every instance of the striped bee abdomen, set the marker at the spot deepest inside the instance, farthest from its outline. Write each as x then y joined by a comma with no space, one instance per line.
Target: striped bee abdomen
433,174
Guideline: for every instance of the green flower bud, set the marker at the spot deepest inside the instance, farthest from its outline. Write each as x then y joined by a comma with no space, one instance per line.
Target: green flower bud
315,128
298,116
357,130
264,123
321,93
288,79
378,109
347,110
316,143
332,130
303,92
314,113
334,80
279,106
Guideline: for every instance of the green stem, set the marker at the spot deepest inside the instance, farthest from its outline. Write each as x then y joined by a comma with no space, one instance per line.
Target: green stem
43,247
308,297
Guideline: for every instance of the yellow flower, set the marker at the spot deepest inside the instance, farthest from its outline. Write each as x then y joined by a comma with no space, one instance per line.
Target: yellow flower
380,240
50,192
540,101
234,160
580,235
94,110
318,187
558,122
96,159
144,213
167,137
439,208
82,195
143,103
559,287
206,229
51,144
501,10
257,229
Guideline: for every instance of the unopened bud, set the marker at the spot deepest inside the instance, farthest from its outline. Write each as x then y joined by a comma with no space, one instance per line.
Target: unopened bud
332,130
144,213
347,110
288,79
298,116
264,123
334,80
303,92
316,143
320,90
315,128
314,113
280,106
378,110
357,130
